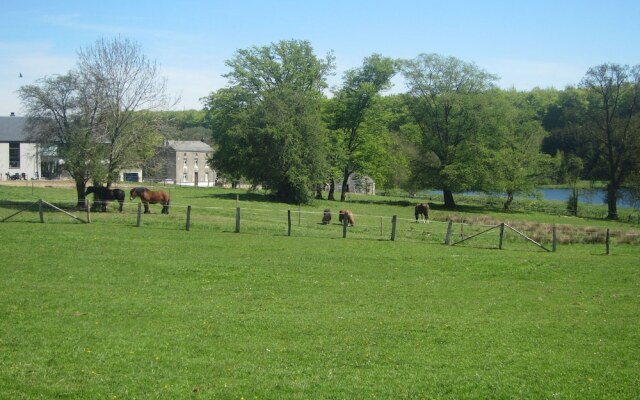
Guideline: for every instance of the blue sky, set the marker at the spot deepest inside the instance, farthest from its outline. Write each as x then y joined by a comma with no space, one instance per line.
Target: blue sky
526,43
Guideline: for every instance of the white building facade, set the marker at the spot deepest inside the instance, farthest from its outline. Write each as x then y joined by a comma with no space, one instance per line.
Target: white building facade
19,157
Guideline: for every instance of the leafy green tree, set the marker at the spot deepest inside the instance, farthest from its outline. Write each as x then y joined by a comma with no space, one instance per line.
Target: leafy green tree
564,120
358,135
267,124
572,166
443,99
393,111
613,123
514,162
227,114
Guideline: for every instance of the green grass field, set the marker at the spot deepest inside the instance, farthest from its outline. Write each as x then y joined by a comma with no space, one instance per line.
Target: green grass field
109,310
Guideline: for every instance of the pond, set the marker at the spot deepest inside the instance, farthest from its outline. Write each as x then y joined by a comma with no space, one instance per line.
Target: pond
586,196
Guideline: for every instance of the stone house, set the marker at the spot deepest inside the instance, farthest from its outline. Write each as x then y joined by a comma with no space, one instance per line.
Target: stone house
187,163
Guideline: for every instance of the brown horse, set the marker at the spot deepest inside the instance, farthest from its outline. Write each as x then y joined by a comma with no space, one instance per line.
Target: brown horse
422,210
348,216
151,197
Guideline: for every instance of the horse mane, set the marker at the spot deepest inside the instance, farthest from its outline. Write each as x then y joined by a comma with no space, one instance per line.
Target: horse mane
140,190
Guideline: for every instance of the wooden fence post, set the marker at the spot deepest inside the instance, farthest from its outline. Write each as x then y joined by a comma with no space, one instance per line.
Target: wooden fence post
288,222
188,218
608,240
501,235
40,211
394,220
139,220
88,214
447,239
238,220
553,239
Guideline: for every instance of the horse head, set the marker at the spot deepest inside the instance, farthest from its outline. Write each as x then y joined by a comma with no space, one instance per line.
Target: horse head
135,192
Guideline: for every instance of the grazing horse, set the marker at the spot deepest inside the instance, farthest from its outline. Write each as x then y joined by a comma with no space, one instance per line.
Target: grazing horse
151,197
422,210
326,216
102,195
348,216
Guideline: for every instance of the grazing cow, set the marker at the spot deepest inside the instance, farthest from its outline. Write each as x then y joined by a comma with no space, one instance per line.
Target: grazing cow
422,210
348,216
326,217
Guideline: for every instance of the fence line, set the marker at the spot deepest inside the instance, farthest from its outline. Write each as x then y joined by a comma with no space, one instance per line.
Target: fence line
367,226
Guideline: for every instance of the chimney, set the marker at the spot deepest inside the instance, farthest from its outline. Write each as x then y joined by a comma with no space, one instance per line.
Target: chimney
12,114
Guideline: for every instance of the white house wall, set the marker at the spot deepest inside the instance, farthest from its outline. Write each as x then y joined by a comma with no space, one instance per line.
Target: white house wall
29,161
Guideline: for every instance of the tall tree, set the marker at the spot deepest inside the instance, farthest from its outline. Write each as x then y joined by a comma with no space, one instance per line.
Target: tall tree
63,116
514,163
355,139
118,73
442,97
270,118
613,123
93,114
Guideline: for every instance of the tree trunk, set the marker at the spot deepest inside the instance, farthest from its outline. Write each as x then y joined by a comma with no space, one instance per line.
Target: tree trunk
507,204
448,198
612,201
319,192
332,189
81,188
345,186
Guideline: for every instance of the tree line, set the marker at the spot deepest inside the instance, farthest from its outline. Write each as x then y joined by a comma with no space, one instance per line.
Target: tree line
278,123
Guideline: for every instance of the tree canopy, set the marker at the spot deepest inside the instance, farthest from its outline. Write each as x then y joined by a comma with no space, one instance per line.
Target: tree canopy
443,98
267,123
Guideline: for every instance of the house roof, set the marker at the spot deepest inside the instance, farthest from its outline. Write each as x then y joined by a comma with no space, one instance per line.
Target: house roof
12,129
189,145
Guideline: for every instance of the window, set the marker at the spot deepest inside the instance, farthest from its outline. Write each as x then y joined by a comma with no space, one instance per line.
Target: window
14,155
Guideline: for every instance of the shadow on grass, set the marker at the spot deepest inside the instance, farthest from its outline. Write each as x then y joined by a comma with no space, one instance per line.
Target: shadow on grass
246,196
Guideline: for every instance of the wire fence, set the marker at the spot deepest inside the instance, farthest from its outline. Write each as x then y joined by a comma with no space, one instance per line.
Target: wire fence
268,220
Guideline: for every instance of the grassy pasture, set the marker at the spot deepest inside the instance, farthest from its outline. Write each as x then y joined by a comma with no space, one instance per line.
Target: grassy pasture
108,310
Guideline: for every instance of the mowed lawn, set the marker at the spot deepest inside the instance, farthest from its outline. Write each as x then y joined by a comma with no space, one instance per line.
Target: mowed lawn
119,312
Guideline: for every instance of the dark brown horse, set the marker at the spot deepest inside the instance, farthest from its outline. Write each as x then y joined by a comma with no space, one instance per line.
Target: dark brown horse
422,210
326,216
151,197
102,195
348,216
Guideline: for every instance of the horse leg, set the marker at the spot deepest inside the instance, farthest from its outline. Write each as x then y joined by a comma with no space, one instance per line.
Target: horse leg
121,204
146,208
